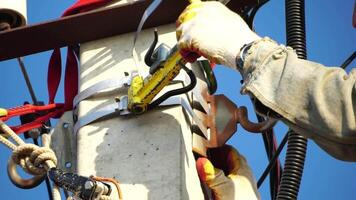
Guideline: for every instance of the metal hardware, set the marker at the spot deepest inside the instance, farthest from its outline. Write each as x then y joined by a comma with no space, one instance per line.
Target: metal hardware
83,187
155,57
119,107
220,122
141,92
64,144
18,181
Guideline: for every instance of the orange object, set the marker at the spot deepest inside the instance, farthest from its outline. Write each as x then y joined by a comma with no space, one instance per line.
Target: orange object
227,175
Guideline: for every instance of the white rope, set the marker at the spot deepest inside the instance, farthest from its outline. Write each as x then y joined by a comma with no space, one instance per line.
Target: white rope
33,159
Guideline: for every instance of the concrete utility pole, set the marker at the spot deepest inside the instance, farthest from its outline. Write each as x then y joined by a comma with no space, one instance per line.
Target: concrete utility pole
150,154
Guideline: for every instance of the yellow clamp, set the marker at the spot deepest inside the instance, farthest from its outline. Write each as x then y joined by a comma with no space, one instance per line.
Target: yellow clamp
3,112
142,92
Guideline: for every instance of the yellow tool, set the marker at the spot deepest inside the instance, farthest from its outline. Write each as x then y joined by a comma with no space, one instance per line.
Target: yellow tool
142,92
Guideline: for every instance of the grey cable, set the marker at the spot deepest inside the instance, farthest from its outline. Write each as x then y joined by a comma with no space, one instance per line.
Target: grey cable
27,79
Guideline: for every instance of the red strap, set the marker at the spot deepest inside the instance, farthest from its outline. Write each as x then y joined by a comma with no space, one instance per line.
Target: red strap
71,70
52,110
70,80
37,123
84,6
54,74
29,108
54,77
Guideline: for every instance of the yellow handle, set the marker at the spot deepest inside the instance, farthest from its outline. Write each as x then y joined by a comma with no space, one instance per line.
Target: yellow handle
3,112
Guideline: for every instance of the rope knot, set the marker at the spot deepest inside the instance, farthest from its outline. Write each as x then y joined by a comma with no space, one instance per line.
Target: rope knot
34,159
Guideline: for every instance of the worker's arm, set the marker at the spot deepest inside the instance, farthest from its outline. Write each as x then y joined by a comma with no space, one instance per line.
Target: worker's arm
316,101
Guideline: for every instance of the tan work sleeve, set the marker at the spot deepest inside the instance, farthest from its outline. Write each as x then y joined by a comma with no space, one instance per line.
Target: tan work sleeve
316,101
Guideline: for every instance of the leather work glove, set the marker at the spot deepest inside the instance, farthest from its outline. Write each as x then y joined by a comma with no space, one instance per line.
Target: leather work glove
227,175
212,30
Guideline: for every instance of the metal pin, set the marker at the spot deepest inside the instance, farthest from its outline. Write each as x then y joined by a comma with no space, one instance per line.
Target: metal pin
65,125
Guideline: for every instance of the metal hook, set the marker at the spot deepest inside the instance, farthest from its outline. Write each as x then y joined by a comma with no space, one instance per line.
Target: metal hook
16,179
241,116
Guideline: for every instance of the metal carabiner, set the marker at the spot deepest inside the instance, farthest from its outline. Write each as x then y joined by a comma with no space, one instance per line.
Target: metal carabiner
20,182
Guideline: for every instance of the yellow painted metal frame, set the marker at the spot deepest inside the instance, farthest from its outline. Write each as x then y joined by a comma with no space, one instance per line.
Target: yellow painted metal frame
141,92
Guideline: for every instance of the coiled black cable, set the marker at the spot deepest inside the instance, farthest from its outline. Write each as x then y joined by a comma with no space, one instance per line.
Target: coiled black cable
293,167
272,161
297,144
295,27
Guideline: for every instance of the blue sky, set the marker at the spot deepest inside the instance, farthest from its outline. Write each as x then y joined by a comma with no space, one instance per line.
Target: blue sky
330,40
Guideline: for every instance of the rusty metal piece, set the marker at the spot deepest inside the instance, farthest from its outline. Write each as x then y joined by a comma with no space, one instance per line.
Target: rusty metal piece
220,120
223,118
220,117
242,117
78,28
20,182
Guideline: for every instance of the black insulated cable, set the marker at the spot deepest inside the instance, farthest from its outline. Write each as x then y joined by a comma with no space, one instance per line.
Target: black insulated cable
27,79
293,167
253,12
348,60
273,160
297,144
268,140
193,82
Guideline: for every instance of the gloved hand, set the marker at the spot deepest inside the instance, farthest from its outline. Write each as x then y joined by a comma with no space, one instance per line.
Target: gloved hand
212,30
227,175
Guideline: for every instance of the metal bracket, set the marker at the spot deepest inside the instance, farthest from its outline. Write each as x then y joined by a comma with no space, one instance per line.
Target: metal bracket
221,123
63,143
119,107
109,84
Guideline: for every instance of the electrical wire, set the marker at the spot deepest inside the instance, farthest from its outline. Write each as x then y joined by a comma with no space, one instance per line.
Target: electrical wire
253,12
270,146
348,60
27,79
297,144
193,82
273,160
